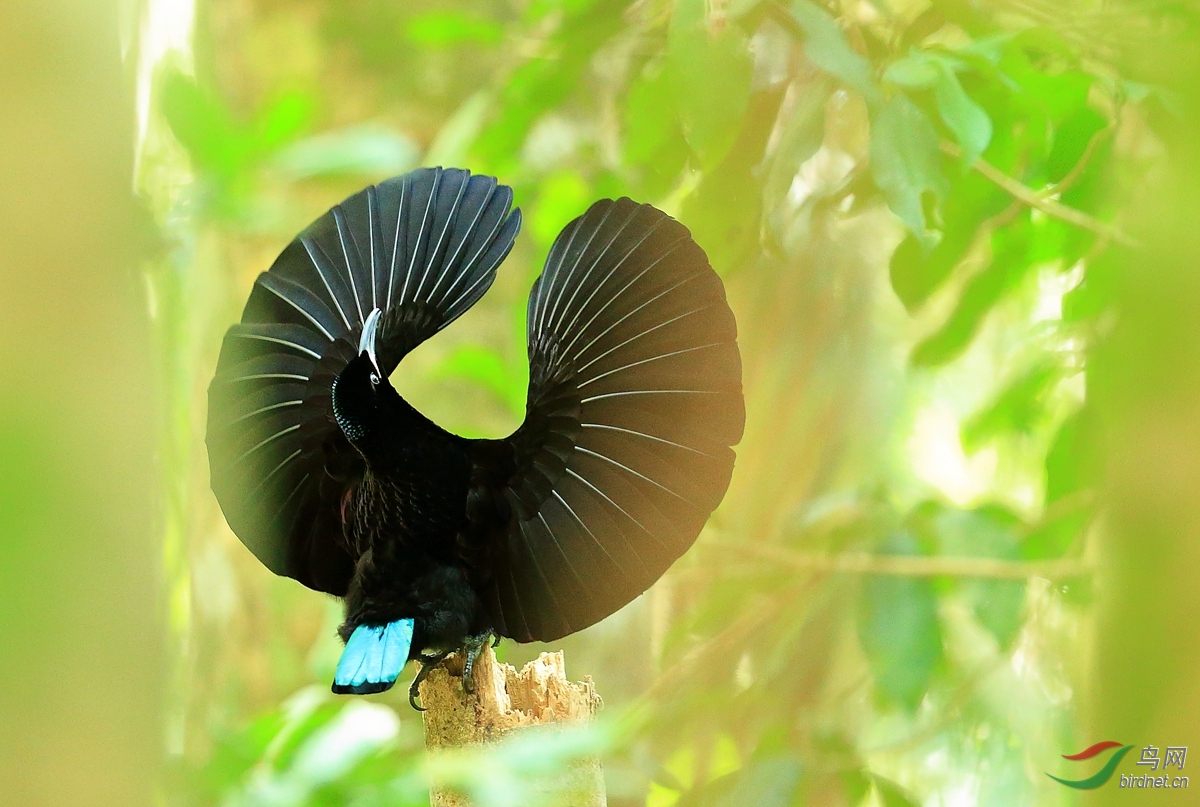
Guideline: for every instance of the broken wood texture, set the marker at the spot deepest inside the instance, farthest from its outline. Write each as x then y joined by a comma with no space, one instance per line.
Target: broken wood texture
505,701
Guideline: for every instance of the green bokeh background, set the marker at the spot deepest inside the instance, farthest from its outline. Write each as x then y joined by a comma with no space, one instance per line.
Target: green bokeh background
962,534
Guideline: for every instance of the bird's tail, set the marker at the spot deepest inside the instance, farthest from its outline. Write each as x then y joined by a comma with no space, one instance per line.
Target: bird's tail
373,658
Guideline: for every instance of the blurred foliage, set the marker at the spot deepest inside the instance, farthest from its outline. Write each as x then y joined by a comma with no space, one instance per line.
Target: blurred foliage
913,205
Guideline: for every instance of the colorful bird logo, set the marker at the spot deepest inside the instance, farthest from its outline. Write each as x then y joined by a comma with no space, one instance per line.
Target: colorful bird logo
1101,776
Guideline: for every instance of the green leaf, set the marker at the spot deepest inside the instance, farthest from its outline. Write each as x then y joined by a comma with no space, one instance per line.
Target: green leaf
453,141
441,29
370,150
1071,140
767,782
898,629
892,795
915,72
283,120
711,69
802,135
650,115
724,210
965,119
1009,265
987,532
916,272
1096,292
1056,95
544,82
655,150
1071,465
906,161
854,785
1018,408
826,47
203,126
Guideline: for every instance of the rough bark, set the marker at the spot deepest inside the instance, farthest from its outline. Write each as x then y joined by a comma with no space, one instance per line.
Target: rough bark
505,700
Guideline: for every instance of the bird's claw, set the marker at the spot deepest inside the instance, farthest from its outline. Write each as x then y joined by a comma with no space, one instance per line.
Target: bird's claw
427,662
473,648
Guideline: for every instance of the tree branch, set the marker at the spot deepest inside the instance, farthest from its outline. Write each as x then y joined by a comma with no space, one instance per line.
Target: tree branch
1022,193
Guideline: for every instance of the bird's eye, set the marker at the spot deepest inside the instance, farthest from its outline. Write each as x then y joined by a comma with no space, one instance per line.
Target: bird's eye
374,379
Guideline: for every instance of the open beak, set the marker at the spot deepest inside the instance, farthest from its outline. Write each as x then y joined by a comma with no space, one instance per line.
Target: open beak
366,344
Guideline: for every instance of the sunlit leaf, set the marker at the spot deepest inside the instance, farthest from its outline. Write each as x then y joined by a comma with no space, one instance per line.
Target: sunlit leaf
906,161
710,68
915,71
282,120
965,119
203,125
825,46
898,629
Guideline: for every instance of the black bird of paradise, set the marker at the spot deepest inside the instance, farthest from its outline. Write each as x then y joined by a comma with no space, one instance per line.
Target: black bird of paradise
438,543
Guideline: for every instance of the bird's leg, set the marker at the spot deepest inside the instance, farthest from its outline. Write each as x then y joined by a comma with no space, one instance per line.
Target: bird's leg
427,662
473,647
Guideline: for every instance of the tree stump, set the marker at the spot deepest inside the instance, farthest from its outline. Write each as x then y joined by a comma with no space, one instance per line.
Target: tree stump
505,701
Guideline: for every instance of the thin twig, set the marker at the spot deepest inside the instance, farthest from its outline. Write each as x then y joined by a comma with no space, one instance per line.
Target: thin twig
911,565
1077,170
1018,190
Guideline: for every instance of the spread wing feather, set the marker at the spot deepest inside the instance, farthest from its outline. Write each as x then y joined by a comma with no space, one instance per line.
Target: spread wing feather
634,401
422,247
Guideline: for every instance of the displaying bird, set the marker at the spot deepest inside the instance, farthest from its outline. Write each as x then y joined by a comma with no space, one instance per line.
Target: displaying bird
439,543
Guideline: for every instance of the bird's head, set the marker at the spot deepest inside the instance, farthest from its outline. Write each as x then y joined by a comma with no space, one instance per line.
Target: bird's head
360,389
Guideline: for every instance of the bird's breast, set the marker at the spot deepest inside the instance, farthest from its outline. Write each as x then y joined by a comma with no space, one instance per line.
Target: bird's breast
418,504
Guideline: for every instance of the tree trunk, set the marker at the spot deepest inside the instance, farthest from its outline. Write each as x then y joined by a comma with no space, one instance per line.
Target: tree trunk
504,701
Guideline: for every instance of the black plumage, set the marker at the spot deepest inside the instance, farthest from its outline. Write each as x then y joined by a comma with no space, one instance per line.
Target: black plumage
330,477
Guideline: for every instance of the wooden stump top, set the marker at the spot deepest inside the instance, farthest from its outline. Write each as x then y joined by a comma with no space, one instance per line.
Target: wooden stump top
506,700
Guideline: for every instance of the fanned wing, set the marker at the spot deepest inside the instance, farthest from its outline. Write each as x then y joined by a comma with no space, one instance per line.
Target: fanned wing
634,403
423,248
